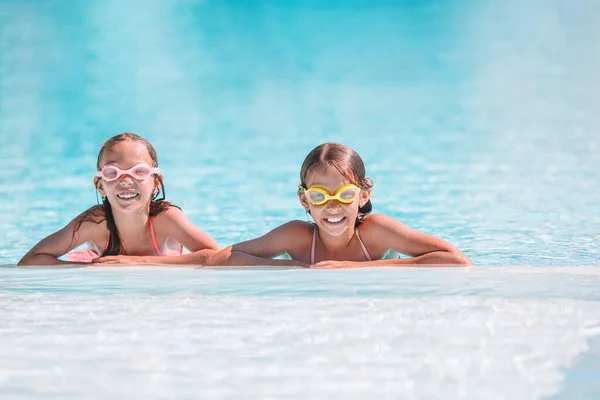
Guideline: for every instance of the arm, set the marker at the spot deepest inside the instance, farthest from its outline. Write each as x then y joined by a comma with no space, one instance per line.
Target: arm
260,251
47,251
255,252
387,233
230,257
177,226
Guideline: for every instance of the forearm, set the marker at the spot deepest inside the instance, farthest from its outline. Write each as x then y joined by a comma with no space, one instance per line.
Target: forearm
441,258
229,257
199,257
40,259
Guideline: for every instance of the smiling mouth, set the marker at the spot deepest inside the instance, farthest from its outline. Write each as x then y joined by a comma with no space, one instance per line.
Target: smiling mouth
334,220
128,196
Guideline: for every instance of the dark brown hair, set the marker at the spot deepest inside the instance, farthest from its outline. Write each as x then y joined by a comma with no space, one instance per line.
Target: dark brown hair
346,161
103,212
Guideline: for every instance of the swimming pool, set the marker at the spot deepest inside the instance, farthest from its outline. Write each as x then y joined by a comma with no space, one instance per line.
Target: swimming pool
477,123
497,333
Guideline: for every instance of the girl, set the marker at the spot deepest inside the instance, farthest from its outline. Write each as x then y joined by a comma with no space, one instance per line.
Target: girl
131,219
335,192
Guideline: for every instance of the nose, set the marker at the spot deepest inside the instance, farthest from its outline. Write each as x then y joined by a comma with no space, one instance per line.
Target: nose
125,179
334,206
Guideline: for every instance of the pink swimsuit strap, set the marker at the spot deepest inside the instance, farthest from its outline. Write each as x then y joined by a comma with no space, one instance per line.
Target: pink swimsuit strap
364,248
156,248
169,251
88,255
314,245
152,235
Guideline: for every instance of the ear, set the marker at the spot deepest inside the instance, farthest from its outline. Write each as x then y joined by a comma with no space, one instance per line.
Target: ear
364,197
99,187
303,201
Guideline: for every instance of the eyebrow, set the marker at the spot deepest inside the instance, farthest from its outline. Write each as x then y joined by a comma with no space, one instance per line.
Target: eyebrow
113,161
336,188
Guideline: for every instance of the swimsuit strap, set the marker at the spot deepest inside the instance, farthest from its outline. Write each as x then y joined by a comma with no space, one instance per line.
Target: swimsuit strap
314,242
314,245
364,248
154,242
156,248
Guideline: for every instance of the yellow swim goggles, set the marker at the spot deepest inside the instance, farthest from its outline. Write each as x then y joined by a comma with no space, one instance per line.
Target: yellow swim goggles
318,195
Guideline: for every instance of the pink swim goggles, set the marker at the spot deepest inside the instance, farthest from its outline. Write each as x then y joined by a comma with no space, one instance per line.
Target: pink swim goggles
141,172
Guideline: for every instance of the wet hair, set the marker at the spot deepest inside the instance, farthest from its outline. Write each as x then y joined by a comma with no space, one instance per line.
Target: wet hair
103,212
346,161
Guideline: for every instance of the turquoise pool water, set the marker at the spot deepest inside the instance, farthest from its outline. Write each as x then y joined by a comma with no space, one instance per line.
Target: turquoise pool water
477,122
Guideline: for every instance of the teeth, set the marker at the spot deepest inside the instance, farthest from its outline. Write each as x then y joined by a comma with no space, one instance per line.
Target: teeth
126,195
335,219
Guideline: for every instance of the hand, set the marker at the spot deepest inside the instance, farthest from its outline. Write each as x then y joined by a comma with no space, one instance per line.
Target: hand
122,260
330,264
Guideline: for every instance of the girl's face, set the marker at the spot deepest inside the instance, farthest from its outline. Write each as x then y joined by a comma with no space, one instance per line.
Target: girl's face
333,217
126,192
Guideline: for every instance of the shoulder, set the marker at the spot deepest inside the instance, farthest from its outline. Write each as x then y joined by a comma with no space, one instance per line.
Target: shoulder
380,228
90,222
170,216
296,227
303,225
171,222
295,237
170,212
293,233
290,230
89,225
94,214
160,208
379,222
